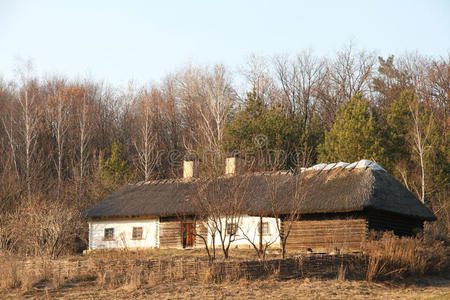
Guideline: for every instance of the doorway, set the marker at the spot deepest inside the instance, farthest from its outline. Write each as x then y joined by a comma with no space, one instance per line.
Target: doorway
188,234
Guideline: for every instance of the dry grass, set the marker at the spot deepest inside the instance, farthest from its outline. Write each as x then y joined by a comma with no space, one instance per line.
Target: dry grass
16,274
126,273
391,257
309,288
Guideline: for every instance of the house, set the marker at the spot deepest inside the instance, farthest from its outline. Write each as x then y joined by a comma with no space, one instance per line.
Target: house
337,205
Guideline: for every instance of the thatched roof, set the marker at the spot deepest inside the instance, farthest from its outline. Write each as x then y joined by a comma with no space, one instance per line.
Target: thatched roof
329,190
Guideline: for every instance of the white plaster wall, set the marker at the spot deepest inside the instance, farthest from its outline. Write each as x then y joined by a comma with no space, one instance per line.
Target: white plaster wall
248,226
123,230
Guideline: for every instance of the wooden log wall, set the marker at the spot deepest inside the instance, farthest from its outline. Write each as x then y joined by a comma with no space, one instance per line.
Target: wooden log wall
170,234
326,235
202,230
401,225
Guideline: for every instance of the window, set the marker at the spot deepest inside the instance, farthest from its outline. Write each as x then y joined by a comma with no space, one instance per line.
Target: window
232,229
109,234
137,233
265,228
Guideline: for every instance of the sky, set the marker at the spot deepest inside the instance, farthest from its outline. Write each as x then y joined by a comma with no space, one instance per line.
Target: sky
119,41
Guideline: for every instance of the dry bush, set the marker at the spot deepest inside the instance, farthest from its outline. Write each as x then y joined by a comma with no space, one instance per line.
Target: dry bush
24,275
14,274
392,257
9,275
439,230
42,228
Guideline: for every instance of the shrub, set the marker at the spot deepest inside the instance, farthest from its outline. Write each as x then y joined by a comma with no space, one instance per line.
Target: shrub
391,257
41,228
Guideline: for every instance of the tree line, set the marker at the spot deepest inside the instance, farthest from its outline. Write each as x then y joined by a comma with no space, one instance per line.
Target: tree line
66,144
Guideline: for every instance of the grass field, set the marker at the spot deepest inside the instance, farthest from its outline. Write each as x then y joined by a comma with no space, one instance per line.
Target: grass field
426,288
389,268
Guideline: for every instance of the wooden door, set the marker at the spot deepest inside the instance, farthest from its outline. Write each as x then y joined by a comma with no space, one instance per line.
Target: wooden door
188,234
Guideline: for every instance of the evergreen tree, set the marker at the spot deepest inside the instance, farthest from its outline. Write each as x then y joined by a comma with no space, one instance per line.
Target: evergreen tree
262,130
114,172
398,126
258,127
310,141
355,135
240,133
398,121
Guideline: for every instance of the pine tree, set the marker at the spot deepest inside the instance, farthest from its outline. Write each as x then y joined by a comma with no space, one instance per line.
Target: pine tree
239,133
310,141
398,126
115,171
278,132
259,128
398,121
355,135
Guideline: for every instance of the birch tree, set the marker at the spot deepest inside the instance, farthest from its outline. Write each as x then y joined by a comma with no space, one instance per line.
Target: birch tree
59,108
423,127
207,99
145,139
84,96
28,118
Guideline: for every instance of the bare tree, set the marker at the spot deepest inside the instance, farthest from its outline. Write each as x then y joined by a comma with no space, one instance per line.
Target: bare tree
255,236
29,115
439,89
222,202
59,110
44,227
286,194
220,101
9,125
299,80
145,138
84,134
207,98
258,75
347,75
423,127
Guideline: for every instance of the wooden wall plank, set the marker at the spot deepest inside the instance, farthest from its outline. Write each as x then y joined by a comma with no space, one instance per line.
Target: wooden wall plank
344,234
170,234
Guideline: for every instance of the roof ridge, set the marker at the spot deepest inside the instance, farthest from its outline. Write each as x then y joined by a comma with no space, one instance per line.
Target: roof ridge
165,180
361,164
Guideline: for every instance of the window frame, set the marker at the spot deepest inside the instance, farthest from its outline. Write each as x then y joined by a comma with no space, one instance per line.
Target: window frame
108,234
234,229
265,225
137,229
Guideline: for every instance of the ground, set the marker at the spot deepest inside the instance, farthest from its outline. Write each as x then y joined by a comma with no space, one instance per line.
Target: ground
425,288
85,277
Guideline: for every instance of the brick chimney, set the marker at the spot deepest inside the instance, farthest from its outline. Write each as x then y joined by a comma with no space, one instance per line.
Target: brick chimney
190,169
232,165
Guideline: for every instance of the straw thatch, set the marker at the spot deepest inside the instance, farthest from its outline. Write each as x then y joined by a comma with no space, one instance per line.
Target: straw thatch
315,191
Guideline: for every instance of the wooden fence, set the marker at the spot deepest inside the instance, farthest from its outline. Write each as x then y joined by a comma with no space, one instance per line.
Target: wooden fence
164,270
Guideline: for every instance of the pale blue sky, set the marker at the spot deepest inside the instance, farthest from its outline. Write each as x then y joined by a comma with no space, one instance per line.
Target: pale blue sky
144,40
